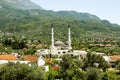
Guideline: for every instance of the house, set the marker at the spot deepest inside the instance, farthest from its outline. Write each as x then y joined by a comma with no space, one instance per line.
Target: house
11,58
41,61
14,61
98,53
30,58
3,62
42,51
55,67
40,45
108,45
35,59
46,68
79,53
113,59
107,59
27,59
48,60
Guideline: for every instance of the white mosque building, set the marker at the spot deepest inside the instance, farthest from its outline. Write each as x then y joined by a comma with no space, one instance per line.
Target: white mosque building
60,48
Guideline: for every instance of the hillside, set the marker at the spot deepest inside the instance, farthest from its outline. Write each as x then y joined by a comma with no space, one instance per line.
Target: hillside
18,4
35,23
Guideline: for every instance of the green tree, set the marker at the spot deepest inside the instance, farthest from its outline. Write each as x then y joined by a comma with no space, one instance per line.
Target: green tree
53,74
111,75
93,74
94,60
17,71
118,65
69,69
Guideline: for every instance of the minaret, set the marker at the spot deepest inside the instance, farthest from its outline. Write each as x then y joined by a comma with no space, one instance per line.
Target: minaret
53,49
69,38
52,37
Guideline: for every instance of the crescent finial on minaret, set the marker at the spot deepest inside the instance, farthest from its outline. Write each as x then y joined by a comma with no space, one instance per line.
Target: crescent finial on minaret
68,26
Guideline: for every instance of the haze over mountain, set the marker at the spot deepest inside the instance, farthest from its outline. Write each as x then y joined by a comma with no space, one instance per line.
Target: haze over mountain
19,4
25,17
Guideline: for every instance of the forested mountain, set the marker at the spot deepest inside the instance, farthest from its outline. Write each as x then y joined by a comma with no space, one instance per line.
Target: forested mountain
18,4
23,17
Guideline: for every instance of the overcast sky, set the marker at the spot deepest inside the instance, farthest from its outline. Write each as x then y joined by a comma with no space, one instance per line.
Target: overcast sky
105,9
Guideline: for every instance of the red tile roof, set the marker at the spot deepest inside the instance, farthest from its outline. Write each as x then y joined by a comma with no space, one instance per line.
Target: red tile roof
48,60
55,67
114,58
30,58
35,58
8,57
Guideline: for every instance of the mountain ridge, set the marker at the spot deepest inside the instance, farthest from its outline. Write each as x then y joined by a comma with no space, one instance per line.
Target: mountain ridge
36,23
78,14
19,4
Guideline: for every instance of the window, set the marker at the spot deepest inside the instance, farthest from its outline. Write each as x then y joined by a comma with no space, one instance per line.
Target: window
64,52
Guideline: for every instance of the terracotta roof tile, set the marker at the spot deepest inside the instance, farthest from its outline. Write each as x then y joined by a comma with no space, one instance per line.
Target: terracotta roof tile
114,58
48,60
8,57
30,58
55,67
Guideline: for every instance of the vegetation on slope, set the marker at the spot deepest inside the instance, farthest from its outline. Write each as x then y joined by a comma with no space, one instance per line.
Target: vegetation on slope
36,25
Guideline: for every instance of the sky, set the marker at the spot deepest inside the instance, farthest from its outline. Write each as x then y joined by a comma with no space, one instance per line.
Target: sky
104,9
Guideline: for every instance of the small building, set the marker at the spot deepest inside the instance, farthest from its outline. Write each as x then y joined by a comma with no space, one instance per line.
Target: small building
108,45
113,59
79,52
98,53
43,51
35,59
30,58
107,59
41,61
11,58
46,68
55,67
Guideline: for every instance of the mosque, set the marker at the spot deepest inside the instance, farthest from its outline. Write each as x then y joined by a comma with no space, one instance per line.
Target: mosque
60,48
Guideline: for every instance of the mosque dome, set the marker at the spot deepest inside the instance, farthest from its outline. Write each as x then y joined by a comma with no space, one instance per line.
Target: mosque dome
59,43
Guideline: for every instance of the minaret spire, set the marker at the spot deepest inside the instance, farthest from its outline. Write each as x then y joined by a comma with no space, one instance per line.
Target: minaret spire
69,37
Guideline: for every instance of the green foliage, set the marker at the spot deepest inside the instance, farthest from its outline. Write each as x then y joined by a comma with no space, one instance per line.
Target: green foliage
69,70
84,27
38,26
118,65
30,51
52,74
18,45
93,74
15,44
17,71
94,60
26,5
111,75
